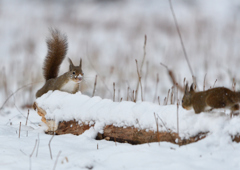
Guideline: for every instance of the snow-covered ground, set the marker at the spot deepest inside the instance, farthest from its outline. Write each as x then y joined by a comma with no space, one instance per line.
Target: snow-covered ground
216,151
109,36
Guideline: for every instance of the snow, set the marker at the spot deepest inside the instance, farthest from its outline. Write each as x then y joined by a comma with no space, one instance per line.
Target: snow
216,151
82,152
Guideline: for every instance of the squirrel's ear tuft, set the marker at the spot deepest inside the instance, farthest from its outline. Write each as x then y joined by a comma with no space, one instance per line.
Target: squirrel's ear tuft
80,65
191,88
186,88
70,64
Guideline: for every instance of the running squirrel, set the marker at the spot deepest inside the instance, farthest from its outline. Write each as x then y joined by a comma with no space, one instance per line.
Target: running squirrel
215,98
57,50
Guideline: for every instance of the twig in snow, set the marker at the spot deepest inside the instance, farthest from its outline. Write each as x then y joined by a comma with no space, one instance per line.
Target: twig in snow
49,145
38,145
55,164
156,119
23,152
34,148
19,130
30,156
166,127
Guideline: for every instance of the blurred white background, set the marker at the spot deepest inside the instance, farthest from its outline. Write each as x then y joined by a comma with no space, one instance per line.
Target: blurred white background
109,36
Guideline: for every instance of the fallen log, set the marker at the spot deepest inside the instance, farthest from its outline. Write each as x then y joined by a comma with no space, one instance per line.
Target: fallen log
118,134
129,122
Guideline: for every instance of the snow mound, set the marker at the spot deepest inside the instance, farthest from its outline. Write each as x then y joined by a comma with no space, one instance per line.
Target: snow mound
62,106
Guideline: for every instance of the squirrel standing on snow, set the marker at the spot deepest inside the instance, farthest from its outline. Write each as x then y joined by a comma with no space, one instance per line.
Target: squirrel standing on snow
69,81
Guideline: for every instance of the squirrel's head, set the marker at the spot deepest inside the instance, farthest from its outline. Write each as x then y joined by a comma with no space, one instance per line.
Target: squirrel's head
76,72
187,98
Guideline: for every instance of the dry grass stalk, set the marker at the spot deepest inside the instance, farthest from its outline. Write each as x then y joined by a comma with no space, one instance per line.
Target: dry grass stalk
27,117
171,75
159,100
166,102
119,95
177,117
134,96
181,40
156,88
94,88
145,78
234,84
204,82
5,84
99,75
114,91
214,83
16,92
128,93
172,95
140,71
139,82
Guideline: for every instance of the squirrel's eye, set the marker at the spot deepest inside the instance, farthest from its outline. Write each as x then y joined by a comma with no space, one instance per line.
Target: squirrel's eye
74,72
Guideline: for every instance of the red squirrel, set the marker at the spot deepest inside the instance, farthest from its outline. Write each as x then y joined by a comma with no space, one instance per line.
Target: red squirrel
215,98
69,81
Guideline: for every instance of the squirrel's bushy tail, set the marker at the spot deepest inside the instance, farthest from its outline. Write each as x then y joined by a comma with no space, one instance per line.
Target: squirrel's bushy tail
57,50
